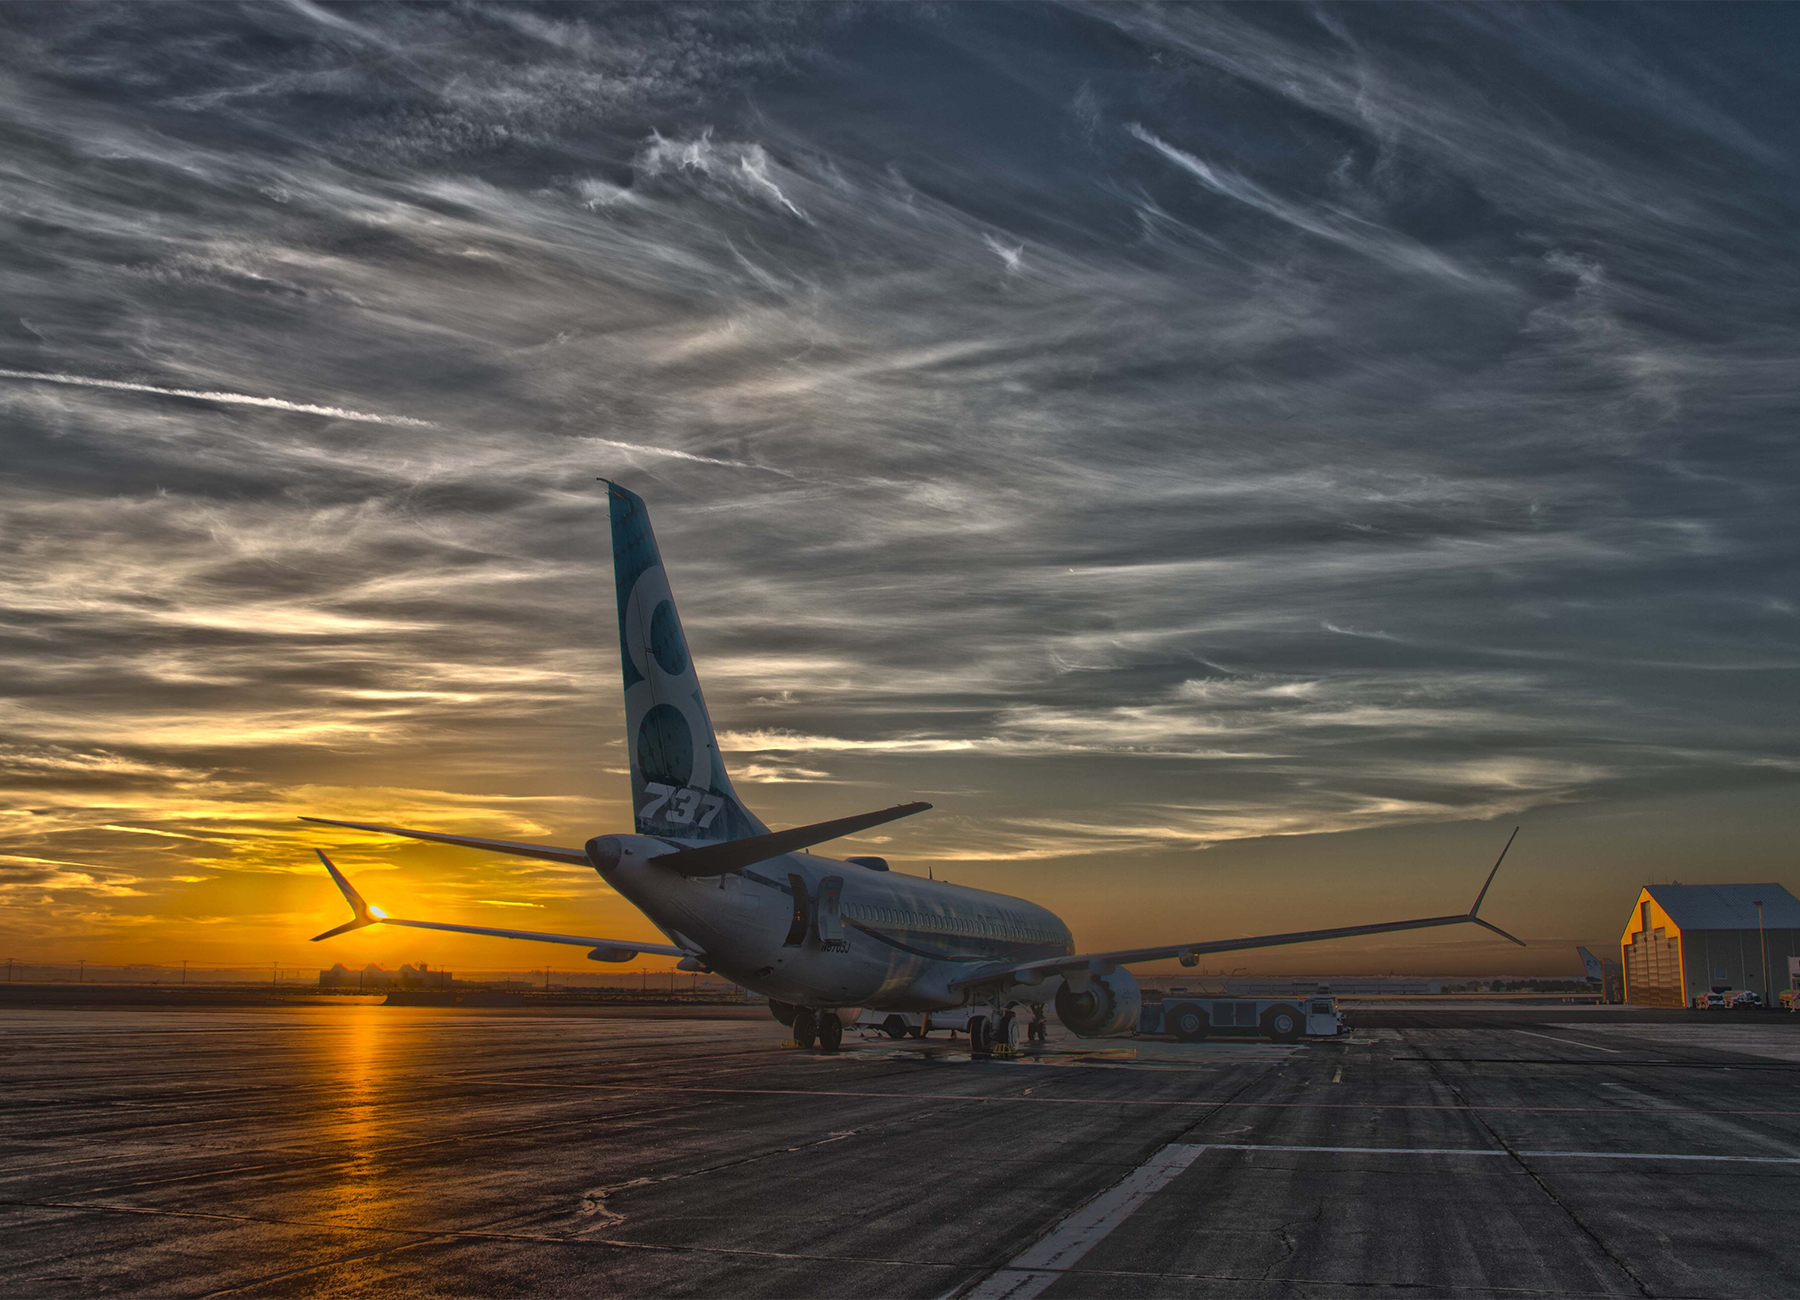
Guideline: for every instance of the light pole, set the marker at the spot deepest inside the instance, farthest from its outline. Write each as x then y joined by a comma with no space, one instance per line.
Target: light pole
1762,945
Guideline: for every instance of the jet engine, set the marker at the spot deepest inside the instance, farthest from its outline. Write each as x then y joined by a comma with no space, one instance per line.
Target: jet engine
1106,1008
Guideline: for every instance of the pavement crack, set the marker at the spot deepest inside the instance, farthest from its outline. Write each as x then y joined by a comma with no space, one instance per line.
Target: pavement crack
1543,1185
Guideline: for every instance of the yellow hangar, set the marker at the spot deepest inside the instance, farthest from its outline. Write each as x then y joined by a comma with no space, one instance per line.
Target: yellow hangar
1687,940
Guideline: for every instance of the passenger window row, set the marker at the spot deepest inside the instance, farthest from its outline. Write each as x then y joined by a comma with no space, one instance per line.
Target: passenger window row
971,926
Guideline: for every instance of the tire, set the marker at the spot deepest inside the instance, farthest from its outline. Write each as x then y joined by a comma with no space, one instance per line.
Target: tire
831,1031
894,1027
915,1031
806,1027
1282,1024
1186,1021
979,1043
1006,1032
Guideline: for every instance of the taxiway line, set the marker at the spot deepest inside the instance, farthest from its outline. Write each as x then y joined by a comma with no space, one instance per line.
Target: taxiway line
1501,1151
1573,1042
1053,1254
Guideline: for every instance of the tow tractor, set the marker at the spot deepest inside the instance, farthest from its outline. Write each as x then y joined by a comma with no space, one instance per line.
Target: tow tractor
1191,1017
915,1024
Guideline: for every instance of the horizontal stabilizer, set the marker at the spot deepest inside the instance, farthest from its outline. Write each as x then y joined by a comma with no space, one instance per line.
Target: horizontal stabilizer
545,852
614,950
735,855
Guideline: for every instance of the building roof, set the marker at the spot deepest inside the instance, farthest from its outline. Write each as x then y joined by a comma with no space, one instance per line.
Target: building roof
1727,907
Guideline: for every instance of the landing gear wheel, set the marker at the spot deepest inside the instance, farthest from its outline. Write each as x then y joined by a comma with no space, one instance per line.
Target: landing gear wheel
1006,1034
831,1031
1281,1024
979,1042
806,1027
1187,1022
915,1031
894,1027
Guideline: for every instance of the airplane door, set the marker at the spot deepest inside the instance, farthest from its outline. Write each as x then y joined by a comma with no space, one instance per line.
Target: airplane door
831,921
797,926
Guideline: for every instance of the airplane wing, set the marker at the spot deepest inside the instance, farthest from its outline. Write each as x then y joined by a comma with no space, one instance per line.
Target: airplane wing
600,949
1104,963
547,852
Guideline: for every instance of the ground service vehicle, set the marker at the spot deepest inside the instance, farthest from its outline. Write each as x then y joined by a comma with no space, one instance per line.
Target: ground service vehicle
1193,1017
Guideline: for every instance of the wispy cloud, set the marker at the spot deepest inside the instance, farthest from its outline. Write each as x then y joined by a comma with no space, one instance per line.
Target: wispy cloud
1293,423
215,395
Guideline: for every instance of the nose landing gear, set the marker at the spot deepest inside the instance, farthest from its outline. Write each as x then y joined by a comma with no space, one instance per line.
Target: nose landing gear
817,1027
806,1027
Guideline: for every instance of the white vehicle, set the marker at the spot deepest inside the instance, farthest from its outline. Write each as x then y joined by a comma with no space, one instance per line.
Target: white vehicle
812,933
1193,1017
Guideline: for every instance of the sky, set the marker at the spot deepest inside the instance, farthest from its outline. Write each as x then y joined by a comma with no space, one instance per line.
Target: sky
1235,462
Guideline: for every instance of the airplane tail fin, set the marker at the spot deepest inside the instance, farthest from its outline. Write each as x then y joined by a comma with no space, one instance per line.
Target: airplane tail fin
1595,971
679,786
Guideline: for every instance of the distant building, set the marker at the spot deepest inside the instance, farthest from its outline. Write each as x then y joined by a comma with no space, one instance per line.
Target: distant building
372,977
1684,940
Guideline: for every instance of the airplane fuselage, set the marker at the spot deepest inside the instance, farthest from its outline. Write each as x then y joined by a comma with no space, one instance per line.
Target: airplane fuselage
816,931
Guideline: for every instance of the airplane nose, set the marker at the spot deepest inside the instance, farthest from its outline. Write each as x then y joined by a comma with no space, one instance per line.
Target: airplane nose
604,851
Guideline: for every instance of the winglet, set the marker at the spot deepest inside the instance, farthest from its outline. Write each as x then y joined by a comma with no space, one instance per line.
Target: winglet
1497,930
1490,880
360,908
1483,894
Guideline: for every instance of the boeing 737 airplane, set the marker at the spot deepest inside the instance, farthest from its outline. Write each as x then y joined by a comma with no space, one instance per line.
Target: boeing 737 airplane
817,936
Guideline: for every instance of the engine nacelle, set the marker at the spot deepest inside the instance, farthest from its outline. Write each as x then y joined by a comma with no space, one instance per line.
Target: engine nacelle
1107,1008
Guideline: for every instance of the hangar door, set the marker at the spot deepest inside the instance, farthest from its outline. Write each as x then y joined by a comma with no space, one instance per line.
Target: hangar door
1653,969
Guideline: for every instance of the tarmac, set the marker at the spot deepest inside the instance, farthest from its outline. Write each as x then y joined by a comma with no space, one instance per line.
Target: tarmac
358,1150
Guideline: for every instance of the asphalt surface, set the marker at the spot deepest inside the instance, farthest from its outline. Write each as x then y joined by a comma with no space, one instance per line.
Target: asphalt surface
383,1151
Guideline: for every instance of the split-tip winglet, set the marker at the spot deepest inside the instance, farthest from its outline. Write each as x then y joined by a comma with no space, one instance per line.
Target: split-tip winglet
1479,898
364,914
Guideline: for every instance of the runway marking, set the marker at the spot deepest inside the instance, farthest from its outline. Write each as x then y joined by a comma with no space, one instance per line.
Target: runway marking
994,1099
1566,1060
1047,1259
1339,1076
1573,1041
1501,1151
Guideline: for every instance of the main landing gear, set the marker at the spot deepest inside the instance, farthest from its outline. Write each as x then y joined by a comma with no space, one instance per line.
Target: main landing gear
820,1027
997,1033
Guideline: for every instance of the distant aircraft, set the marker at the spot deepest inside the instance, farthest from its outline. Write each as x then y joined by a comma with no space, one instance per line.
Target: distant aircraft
1605,974
813,934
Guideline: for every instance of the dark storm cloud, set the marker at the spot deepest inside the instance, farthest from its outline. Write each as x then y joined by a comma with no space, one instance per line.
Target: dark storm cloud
1160,425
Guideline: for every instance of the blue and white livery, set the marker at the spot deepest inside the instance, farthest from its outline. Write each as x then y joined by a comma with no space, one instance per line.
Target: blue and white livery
820,937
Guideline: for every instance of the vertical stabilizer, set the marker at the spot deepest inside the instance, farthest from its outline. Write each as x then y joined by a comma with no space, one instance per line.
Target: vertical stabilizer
679,787
1595,971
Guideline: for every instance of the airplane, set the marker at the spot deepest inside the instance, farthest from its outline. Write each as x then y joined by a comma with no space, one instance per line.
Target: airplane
1603,973
819,937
